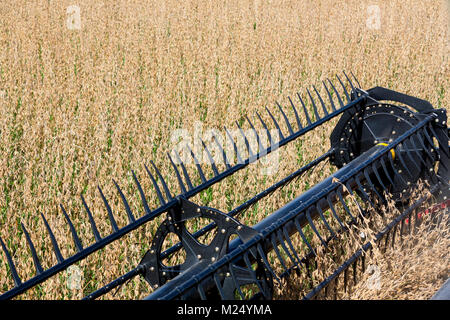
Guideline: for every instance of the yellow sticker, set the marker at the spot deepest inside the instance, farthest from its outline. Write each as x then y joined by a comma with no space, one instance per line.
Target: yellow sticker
385,144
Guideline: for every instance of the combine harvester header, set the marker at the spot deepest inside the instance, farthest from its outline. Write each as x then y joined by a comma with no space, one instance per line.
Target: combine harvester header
384,143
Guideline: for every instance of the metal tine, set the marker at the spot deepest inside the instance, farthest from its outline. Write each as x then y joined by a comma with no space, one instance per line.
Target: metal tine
363,192
253,273
12,267
345,279
319,208
383,165
408,154
158,191
219,286
355,270
308,119
429,163
444,147
108,209
238,156
343,87
276,124
56,250
363,263
415,148
425,162
313,226
341,103
281,240
443,181
302,235
386,241
333,211
341,199
224,154
197,164
180,181
409,219
247,144
285,119
324,294
351,83
258,140
186,175
394,231
266,263
347,185
402,161
201,291
372,186
375,170
125,203
211,159
430,141
296,114
91,220
308,266
283,236
402,227
432,146
275,248
314,105
36,261
141,193
329,96
427,137
321,101
75,237
288,240
166,189
265,127
356,79
336,281
396,173
236,284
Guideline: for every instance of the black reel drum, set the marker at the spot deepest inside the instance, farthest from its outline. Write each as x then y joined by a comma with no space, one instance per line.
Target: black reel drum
378,125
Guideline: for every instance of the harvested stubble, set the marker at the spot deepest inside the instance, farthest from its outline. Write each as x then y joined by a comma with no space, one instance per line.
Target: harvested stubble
81,107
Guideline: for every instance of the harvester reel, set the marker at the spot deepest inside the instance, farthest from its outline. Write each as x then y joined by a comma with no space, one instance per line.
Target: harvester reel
378,125
379,149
